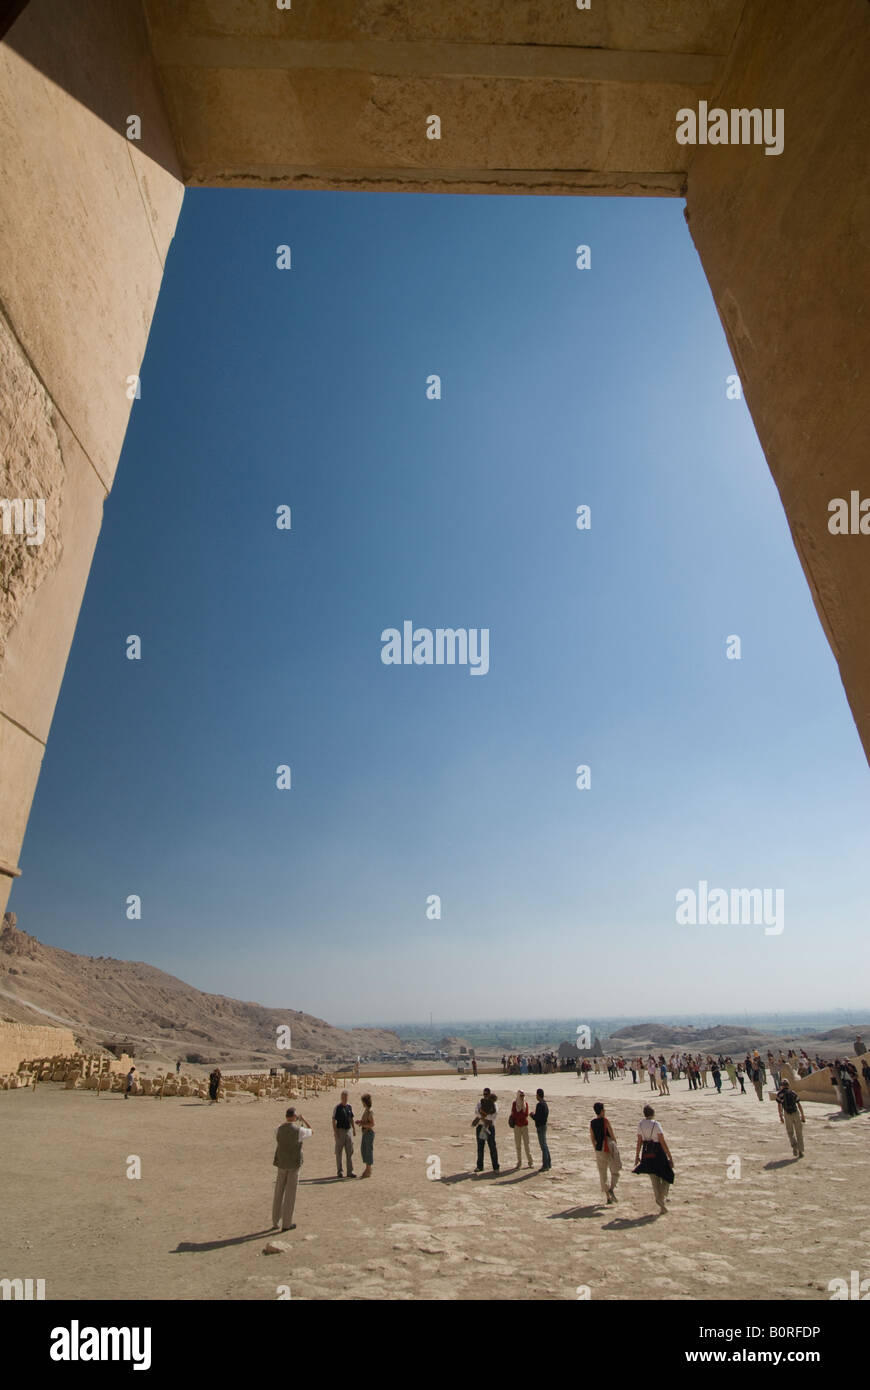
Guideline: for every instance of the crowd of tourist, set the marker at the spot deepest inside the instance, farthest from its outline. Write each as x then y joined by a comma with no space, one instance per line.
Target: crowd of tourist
518,1065
652,1154
702,1071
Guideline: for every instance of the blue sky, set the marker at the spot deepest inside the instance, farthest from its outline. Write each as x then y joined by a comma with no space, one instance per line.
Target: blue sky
261,647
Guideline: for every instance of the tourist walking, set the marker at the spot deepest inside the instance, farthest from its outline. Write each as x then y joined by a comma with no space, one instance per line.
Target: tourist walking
519,1123
791,1114
288,1161
663,1077
484,1123
343,1128
843,1082
214,1085
653,1156
606,1152
367,1143
131,1082
541,1118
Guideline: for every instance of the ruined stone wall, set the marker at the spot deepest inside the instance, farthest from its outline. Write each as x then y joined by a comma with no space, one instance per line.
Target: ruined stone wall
21,1041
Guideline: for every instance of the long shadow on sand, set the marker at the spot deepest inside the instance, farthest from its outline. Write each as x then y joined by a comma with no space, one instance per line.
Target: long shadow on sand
626,1223
523,1177
318,1182
189,1247
781,1163
575,1213
467,1177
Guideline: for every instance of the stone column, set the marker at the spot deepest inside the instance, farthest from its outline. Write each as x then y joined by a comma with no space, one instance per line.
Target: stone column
784,243
86,218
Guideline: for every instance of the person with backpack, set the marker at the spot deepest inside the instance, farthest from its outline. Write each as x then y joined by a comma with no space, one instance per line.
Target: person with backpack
791,1114
606,1152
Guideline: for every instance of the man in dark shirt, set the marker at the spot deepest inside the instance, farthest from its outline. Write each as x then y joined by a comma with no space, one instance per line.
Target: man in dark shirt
540,1116
791,1114
343,1124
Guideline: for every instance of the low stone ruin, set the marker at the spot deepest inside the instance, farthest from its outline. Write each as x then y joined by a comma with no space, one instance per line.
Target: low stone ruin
99,1072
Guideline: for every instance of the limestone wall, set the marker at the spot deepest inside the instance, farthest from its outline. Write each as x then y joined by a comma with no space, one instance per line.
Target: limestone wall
21,1041
86,217
785,241
817,1086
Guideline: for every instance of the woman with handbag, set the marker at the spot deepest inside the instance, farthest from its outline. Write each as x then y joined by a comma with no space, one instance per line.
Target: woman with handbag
519,1123
606,1152
653,1156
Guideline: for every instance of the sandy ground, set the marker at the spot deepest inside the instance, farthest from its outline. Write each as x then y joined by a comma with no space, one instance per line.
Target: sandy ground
195,1224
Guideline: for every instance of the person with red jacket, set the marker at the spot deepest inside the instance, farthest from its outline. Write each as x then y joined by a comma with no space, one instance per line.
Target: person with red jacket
519,1123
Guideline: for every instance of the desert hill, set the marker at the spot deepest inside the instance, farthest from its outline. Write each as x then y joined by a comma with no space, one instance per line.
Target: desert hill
730,1038
667,1036
106,1000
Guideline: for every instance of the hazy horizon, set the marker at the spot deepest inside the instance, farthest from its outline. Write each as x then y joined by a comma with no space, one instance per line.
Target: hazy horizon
610,1025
